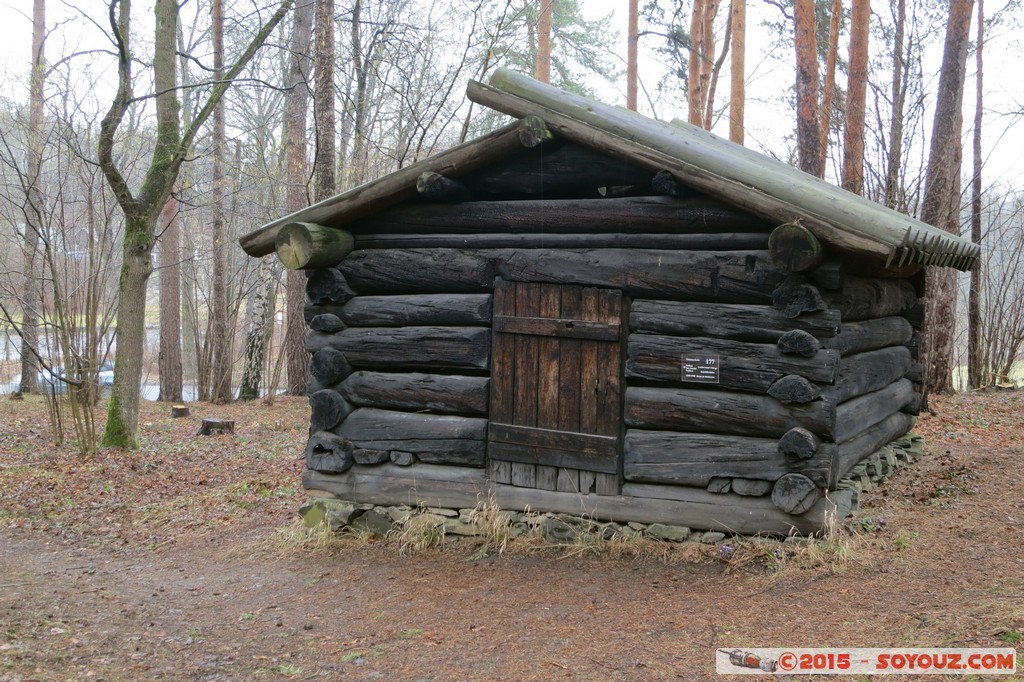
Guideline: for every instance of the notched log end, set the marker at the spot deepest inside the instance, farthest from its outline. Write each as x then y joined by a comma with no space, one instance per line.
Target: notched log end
329,453
433,186
793,248
799,342
795,493
795,299
798,443
533,132
309,246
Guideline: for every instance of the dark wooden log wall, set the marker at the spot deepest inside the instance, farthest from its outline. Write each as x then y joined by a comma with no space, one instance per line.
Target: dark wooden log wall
400,379
809,383
811,365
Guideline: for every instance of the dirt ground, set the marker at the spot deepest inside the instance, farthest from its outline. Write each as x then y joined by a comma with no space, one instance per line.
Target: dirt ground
183,561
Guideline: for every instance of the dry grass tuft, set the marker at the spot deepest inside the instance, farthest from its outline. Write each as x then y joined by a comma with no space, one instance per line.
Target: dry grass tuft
416,533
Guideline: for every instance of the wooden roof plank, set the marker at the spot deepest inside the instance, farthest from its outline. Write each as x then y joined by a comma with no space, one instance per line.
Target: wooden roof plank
626,147
739,173
393,188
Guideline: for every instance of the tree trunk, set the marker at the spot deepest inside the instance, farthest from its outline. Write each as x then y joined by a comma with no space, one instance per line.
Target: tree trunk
356,167
737,95
893,193
633,36
296,104
220,367
123,409
30,299
544,41
975,363
170,304
830,80
701,60
941,203
856,98
324,183
256,336
808,128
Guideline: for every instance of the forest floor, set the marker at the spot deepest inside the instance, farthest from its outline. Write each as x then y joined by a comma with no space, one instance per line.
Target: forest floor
184,561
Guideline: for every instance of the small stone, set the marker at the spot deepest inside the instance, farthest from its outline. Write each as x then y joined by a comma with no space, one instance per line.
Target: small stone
399,514
335,512
364,456
402,459
518,530
555,530
711,537
440,511
609,530
372,522
637,526
580,524
312,513
431,520
719,485
460,527
751,487
663,531
534,520
466,514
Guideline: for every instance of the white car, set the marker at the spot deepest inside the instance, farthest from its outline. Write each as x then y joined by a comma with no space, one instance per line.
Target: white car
47,378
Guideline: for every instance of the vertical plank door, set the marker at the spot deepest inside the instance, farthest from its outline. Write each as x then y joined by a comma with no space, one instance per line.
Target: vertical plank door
556,380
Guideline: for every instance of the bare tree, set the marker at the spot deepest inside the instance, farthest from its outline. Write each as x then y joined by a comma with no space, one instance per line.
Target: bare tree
856,98
170,302
941,204
142,206
220,366
975,368
898,98
33,206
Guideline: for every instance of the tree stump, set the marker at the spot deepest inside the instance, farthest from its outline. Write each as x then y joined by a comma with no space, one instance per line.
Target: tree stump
212,427
178,411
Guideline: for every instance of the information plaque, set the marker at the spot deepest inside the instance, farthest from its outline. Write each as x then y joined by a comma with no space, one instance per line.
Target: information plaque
700,368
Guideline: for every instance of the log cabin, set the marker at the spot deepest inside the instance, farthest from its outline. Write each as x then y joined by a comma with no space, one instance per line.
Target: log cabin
590,312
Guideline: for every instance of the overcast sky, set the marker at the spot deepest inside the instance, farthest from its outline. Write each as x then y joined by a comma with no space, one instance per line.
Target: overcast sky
768,119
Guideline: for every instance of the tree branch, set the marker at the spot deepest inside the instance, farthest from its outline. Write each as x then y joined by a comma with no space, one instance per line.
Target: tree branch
221,87
108,126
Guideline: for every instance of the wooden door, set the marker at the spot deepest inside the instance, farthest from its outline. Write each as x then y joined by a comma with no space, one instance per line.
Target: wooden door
555,405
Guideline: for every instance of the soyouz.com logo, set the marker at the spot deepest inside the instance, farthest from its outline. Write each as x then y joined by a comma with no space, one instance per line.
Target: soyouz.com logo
866,661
